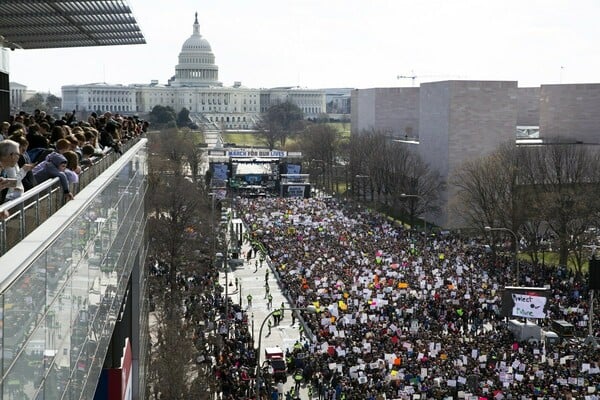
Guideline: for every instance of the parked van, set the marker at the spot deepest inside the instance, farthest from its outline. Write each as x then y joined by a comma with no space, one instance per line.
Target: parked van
563,328
551,338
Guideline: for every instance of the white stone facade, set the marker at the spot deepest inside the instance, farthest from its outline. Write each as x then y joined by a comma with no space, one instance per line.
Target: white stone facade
311,102
196,87
99,97
18,94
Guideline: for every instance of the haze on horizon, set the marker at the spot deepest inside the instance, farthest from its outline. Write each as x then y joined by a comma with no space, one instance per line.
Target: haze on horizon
350,43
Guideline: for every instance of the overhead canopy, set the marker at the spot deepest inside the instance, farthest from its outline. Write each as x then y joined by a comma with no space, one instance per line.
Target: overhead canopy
44,24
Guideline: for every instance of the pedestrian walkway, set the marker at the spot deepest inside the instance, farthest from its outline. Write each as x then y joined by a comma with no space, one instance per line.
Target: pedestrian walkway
250,278
213,139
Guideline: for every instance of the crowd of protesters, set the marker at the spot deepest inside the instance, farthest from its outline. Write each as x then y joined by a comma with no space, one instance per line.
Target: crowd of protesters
222,337
37,147
403,314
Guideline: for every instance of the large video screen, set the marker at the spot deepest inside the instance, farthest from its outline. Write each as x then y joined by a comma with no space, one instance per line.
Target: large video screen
293,169
219,171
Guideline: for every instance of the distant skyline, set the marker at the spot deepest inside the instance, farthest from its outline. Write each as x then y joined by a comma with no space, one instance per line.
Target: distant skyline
335,43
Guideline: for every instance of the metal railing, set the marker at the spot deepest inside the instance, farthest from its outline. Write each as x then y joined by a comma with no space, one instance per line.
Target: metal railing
38,204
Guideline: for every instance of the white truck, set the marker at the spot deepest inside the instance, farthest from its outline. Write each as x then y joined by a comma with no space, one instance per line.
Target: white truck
525,331
532,332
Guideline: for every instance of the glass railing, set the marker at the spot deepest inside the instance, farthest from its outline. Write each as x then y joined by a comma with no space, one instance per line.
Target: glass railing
36,205
62,287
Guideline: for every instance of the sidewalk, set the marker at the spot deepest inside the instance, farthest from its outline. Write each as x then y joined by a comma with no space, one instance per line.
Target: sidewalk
250,282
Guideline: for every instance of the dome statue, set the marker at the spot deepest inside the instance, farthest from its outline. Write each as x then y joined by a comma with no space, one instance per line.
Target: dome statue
196,65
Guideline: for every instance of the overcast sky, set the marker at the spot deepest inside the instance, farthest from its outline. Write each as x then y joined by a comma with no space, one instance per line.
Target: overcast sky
342,43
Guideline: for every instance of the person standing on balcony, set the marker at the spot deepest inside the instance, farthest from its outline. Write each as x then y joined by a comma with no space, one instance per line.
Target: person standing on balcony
54,167
25,163
10,174
73,169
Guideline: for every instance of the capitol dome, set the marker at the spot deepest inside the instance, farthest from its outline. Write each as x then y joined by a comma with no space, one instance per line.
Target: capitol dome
196,41
196,65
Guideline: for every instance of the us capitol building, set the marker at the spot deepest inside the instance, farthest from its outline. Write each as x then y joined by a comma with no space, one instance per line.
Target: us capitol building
196,87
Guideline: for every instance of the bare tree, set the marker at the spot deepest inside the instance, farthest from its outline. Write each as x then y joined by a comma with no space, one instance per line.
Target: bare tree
488,190
180,238
361,149
391,172
267,133
320,144
563,182
421,184
552,189
172,352
279,122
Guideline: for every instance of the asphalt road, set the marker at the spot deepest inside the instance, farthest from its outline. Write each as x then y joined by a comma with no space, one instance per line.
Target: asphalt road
251,280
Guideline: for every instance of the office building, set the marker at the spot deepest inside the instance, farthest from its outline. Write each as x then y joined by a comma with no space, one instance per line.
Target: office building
449,122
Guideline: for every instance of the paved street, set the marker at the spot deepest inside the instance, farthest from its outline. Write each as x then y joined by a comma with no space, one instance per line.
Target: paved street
251,280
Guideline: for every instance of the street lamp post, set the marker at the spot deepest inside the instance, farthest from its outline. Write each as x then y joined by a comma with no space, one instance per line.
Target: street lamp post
416,196
310,309
590,339
516,255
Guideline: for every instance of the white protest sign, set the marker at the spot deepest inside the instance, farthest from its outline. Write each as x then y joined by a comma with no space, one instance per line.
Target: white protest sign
528,306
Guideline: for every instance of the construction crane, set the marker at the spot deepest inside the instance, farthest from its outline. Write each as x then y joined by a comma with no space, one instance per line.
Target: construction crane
413,77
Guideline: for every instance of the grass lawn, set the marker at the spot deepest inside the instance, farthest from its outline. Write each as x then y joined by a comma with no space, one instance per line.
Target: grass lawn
343,127
251,139
551,258
243,139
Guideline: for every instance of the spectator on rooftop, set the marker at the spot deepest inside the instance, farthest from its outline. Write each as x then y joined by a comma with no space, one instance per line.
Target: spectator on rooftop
28,180
4,130
63,145
16,127
73,169
109,136
11,175
54,167
56,134
38,148
91,136
44,129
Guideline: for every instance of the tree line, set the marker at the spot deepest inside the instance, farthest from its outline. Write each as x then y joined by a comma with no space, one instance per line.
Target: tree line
181,238
548,195
542,193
